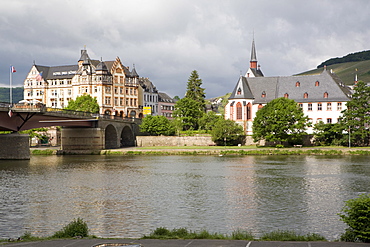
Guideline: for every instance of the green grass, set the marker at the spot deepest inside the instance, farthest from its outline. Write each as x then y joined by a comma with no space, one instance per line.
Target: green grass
183,233
43,152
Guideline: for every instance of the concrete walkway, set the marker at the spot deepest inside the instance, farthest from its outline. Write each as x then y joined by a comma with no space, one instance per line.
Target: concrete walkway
176,243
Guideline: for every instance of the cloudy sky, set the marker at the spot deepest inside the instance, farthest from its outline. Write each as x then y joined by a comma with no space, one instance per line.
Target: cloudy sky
167,39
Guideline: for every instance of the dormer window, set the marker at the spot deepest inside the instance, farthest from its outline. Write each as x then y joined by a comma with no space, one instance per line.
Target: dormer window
297,84
263,94
286,95
317,83
326,95
305,95
239,92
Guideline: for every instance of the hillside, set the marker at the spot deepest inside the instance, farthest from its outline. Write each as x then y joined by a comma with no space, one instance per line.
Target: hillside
17,94
346,71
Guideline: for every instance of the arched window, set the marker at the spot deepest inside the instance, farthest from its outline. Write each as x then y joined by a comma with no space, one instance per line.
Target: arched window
305,95
260,106
286,95
239,92
326,95
317,83
297,84
239,111
249,111
263,95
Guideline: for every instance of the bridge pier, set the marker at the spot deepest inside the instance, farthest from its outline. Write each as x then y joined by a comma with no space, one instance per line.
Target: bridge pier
14,146
82,139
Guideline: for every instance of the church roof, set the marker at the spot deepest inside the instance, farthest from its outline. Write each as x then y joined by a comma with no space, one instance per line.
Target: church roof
253,53
242,90
266,89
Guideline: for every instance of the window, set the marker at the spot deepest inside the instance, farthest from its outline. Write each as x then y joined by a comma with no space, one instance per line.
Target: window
339,106
310,106
317,83
249,111
300,105
328,106
319,106
328,120
326,95
263,95
286,95
239,111
239,92
319,120
297,84
305,95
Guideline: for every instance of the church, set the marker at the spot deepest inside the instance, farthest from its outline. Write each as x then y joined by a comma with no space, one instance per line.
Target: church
322,97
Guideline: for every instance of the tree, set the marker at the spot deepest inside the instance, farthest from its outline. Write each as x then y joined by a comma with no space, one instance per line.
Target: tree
84,103
280,120
188,113
356,214
357,115
157,125
328,134
195,91
208,120
227,132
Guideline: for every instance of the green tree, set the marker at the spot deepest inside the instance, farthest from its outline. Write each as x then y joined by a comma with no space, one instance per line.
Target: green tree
280,120
357,115
195,91
157,125
356,214
208,120
187,112
227,132
328,134
84,103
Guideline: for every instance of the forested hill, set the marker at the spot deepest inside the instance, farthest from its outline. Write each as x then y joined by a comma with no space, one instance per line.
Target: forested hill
353,57
17,94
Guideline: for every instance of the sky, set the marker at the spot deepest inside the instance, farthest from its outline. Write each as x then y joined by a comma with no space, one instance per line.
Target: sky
167,39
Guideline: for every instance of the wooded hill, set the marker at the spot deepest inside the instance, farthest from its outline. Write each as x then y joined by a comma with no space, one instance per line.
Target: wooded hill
17,94
346,66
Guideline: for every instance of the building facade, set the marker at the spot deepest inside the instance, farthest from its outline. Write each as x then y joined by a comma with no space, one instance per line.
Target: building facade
115,87
322,97
166,105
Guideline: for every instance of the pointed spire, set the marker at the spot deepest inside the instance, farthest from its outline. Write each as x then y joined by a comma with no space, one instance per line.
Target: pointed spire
253,61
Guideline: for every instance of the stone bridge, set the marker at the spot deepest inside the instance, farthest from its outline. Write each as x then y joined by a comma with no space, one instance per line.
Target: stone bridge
81,131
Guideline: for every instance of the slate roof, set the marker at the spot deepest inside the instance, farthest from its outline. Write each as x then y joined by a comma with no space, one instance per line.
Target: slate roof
242,90
57,72
163,97
276,87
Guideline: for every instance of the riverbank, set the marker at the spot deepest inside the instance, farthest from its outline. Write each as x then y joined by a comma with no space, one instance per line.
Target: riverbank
206,150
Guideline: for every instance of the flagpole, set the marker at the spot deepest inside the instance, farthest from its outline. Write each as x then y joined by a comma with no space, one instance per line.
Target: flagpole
10,90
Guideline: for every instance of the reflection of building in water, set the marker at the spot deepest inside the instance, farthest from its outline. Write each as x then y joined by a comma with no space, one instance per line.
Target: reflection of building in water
240,179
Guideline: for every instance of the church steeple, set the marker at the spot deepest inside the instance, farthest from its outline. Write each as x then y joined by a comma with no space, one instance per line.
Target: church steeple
253,62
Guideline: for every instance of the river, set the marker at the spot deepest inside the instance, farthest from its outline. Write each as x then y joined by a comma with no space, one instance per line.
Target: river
128,196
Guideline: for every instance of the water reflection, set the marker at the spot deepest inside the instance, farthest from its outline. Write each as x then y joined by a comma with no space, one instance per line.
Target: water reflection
122,196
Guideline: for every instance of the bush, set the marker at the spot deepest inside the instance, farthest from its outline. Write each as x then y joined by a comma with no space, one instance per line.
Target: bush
356,214
76,228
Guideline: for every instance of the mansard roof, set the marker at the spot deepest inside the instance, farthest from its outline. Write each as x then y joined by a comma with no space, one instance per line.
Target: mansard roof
242,90
57,72
163,97
266,89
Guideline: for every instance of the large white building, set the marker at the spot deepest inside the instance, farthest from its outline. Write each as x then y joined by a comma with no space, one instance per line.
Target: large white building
119,91
322,97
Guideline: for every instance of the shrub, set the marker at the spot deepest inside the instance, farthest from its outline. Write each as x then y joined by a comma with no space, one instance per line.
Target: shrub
76,228
356,214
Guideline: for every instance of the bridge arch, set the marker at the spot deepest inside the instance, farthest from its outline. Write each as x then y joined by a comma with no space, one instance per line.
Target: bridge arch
127,137
110,137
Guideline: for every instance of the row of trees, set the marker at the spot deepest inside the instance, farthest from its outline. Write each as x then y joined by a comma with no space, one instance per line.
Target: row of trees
190,115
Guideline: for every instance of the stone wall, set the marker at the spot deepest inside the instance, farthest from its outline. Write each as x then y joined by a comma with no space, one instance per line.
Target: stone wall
83,139
151,141
14,146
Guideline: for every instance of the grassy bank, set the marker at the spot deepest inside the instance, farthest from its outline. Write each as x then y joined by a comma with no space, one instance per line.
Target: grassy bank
209,150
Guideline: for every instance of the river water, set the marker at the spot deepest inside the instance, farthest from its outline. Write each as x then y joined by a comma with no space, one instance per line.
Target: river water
128,196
